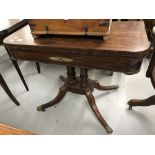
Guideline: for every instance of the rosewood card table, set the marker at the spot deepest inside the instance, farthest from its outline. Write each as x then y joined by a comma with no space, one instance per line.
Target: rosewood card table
123,52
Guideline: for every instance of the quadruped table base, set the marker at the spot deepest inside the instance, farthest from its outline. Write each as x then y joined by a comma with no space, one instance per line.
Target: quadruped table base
83,86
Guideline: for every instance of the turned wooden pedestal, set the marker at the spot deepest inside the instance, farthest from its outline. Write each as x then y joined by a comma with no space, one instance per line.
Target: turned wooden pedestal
83,86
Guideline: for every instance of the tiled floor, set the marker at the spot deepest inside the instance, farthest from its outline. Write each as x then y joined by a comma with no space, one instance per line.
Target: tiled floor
73,114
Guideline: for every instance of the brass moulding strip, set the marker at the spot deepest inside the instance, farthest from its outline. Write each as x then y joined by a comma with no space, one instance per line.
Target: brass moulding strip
61,59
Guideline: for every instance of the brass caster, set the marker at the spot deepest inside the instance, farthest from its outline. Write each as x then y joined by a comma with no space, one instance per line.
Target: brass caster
116,86
130,107
40,108
108,129
62,78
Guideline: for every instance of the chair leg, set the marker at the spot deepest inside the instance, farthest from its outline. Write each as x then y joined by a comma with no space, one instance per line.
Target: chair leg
38,67
19,73
18,70
7,90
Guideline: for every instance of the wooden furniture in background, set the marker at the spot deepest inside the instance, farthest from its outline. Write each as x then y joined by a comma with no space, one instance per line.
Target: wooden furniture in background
7,90
8,130
149,24
150,74
123,52
7,27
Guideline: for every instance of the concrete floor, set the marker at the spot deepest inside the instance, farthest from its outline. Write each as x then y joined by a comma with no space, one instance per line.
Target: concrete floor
73,114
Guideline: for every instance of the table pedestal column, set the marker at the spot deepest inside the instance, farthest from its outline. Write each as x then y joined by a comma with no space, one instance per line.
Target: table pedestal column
80,85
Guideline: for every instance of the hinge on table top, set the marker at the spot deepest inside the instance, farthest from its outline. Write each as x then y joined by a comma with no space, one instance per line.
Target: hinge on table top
46,28
104,23
85,28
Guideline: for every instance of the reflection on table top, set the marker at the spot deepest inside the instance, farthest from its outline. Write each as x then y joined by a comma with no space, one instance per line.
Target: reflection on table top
124,37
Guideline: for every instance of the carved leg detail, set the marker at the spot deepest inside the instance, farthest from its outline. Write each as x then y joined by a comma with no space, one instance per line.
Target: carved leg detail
62,92
147,102
91,101
99,87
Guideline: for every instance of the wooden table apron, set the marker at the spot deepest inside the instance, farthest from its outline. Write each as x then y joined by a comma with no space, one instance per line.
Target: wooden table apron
123,52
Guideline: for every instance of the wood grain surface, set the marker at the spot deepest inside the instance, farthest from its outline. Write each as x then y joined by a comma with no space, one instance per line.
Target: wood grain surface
99,27
8,130
123,52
